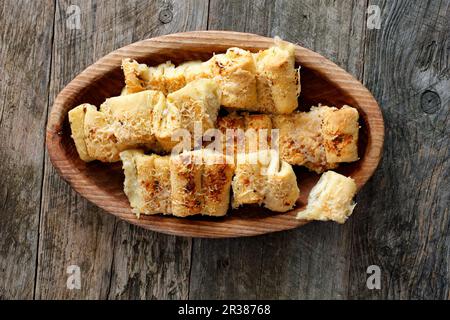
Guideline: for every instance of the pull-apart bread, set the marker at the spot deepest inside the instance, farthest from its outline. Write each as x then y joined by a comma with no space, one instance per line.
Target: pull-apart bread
196,102
262,179
330,199
145,119
194,182
122,122
318,139
266,81
199,182
163,107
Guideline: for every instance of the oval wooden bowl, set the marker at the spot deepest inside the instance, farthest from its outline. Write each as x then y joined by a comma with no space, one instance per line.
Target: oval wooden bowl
322,82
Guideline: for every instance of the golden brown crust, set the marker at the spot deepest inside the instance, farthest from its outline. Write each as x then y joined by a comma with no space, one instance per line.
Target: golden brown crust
261,178
266,81
236,74
318,139
278,82
147,182
122,122
186,185
136,75
340,132
197,102
154,179
216,183
101,142
181,185
200,185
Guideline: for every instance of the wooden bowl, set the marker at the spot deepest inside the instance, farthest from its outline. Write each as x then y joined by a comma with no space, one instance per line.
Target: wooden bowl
322,82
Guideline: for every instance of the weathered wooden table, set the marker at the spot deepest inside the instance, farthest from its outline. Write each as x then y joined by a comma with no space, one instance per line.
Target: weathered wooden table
401,223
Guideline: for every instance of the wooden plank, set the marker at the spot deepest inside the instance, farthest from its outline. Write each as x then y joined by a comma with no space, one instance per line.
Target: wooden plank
24,67
116,260
404,228
310,262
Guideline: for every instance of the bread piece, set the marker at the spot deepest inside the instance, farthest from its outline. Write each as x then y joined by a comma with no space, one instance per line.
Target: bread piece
194,70
147,182
137,75
264,180
216,183
236,73
318,139
250,124
132,187
174,78
266,81
122,122
131,116
340,133
300,138
76,120
101,142
278,82
197,102
186,185
330,199
248,182
281,190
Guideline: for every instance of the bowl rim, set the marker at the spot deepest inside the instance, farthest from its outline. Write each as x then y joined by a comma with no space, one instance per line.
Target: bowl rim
221,228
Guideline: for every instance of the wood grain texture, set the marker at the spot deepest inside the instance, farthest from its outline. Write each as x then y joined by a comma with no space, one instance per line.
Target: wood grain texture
405,228
116,259
23,101
401,222
311,262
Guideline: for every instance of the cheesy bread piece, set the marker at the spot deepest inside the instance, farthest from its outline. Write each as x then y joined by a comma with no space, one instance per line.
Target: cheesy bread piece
122,122
186,185
340,133
137,76
217,174
261,178
330,199
196,102
147,182
235,72
300,139
251,138
278,82
101,143
194,182
266,81
200,183
131,116
76,120
318,139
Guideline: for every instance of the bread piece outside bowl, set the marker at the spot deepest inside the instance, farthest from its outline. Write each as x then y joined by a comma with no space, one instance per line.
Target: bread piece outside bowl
322,82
